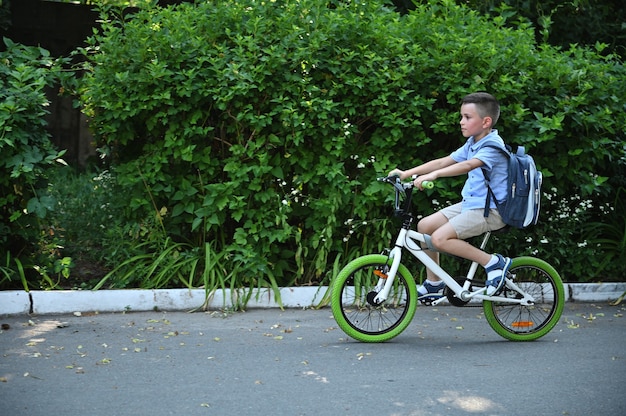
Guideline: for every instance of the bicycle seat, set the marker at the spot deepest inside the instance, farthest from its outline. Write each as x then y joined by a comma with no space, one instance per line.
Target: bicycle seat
504,229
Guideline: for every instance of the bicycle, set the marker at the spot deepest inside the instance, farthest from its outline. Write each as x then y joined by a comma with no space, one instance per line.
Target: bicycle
374,297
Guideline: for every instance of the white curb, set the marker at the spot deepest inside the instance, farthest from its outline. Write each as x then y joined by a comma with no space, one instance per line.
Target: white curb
596,292
70,301
14,302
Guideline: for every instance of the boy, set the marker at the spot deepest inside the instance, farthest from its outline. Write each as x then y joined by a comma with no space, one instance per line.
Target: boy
450,226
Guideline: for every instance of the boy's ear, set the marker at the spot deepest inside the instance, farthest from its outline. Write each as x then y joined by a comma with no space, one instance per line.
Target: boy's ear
487,122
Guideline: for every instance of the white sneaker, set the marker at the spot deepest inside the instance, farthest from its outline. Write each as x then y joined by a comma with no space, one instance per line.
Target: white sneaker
430,291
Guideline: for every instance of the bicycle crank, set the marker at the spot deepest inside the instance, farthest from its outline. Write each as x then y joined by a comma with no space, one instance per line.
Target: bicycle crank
452,298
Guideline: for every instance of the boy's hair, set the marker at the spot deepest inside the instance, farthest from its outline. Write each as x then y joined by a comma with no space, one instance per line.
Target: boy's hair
486,104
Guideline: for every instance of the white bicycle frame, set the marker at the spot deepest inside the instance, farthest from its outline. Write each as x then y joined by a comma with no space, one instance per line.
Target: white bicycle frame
411,240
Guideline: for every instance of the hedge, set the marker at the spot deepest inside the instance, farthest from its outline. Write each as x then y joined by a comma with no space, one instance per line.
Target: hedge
252,131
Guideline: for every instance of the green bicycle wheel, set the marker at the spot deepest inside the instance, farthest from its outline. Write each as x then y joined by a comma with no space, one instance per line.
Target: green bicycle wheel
353,305
527,323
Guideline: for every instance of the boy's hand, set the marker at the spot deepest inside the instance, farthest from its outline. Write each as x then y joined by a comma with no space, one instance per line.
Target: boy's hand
421,179
396,172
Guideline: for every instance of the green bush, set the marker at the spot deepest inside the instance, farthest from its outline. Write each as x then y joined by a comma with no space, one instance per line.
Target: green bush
89,225
26,153
255,130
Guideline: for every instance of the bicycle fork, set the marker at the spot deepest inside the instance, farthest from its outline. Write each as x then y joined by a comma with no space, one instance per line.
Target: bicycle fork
385,281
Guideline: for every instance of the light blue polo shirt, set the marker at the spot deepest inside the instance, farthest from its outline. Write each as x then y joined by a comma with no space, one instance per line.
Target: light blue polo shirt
474,191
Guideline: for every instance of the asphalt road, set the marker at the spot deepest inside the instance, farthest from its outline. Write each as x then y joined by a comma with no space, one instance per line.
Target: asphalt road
297,362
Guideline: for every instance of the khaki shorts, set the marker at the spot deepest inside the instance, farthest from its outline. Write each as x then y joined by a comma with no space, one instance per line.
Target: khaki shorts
472,222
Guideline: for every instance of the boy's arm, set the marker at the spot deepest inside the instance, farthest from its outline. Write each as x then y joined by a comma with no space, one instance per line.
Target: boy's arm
454,169
428,167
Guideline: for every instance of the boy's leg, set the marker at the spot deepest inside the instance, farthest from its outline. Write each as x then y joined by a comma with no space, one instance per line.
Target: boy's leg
451,236
445,238
428,225
432,287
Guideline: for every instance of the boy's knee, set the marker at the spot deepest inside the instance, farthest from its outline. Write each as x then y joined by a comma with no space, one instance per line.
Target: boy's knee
438,241
430,224
422,227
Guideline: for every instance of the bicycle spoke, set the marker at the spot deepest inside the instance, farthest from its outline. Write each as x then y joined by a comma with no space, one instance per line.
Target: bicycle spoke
356,307
537,279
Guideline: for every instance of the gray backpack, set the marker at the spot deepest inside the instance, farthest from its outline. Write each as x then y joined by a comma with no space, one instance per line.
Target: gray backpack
521,207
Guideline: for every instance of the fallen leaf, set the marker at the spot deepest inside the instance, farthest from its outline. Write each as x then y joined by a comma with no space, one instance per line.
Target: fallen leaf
573,325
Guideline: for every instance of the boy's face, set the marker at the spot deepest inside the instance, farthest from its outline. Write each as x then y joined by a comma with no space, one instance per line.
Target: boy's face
472,124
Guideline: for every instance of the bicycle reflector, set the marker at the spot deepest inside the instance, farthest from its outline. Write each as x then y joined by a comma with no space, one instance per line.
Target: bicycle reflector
522,324
380,274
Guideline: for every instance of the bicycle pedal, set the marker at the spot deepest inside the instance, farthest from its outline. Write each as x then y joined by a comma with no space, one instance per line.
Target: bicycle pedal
429,299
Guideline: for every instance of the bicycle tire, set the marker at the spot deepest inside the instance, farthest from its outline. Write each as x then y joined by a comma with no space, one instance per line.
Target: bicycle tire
356,314
527,323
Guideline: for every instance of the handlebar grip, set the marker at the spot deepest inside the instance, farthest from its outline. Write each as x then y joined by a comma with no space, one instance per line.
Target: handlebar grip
428,185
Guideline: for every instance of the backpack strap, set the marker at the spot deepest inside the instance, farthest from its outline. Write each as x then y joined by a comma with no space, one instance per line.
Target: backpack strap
490,194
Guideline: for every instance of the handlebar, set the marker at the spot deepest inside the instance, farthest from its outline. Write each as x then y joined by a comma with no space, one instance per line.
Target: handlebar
402,186
428,184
